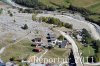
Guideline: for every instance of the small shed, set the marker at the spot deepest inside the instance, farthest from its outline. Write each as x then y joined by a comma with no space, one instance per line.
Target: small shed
37,49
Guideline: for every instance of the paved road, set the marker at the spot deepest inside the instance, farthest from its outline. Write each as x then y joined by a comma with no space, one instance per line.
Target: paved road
77,56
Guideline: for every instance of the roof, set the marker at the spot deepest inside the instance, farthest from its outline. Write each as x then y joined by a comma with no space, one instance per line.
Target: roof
36,39
50,35
63,44
37,48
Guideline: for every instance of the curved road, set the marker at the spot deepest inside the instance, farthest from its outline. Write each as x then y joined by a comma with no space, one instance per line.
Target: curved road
77,56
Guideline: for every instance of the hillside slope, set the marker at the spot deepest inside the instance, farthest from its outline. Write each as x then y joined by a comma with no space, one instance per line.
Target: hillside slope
89,8
43,4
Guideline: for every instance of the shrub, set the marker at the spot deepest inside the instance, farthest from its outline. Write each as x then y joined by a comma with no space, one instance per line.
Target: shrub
10,14
55,21
1,10
61,37
25,27
34,17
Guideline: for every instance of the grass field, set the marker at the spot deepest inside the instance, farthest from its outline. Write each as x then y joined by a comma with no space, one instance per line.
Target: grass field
95,8
95,17
86,51
58,53
83,3
92,5
55,3
19,51
6,40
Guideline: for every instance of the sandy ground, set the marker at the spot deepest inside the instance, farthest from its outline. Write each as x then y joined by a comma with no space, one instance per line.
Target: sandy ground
13,25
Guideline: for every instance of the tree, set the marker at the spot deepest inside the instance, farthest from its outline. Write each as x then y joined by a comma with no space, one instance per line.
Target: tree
12,59
29,3
25,27
34,17
55,21
1,10
10,14
61,37
96,45
68,25
86,37
85,33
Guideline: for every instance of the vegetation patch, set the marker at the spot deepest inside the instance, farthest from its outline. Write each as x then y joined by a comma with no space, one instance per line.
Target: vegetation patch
19,51
95,8
88,51
55,21
1,10
44,4
89,47
85,7
83,3
57,52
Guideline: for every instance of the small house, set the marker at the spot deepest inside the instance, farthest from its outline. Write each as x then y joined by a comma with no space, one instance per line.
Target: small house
62,44
37,49
51,39
37,41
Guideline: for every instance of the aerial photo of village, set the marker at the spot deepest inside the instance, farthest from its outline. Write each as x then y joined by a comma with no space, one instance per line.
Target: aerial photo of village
49,32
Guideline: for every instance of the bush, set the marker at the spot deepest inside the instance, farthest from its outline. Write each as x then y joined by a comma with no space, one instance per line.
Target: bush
29,3
12,59
10,14
55,21
68,25
34,17
61,37
25,27
1,10
86,37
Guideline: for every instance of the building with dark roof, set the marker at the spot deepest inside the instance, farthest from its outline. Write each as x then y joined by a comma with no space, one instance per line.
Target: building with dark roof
37,41
62,44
